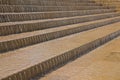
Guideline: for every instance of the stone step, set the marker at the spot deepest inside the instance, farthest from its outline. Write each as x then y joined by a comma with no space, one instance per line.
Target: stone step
24,16
41,58
103,61
33,25
46,3
31,8
12,42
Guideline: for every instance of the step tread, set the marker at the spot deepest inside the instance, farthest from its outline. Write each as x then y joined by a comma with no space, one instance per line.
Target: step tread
43,20
48,6
40,32
26,16
30,8
48,3
22,60
103,61
11,13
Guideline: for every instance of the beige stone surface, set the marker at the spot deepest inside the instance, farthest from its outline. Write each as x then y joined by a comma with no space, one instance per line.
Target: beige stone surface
17,60
24,44
115,3
102,63
50,30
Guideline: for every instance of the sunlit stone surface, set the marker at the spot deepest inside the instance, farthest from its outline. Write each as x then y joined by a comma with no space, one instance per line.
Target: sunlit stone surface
42,36
102,63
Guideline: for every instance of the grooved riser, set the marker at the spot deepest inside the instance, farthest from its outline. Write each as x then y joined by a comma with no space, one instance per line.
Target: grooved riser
15,44
46,3
27,8
49,15
14,29
50,64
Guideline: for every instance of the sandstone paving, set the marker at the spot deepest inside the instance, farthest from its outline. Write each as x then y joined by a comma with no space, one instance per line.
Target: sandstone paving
102,63
17,60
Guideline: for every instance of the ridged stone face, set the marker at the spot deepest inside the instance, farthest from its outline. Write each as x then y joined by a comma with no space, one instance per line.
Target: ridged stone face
40,36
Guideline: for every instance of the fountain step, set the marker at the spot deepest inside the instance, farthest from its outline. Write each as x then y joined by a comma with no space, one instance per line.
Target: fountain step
103,61
16,41
31,8
46,2
33,25
43,57
24,16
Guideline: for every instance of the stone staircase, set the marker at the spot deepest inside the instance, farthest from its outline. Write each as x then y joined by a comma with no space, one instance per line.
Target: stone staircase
110,3
38,36
103,63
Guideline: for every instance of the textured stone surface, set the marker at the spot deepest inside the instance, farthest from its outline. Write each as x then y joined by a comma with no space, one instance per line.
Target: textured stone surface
24,40
13,62
102,63
48,3
33,25
26,16
31,8
37,36
114,3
